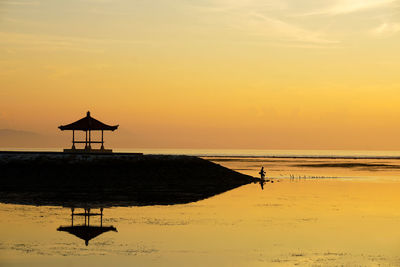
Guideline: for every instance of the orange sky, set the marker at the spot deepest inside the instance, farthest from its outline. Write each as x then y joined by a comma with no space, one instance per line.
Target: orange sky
204,74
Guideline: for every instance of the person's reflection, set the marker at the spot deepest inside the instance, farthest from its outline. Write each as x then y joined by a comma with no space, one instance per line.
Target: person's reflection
86,231
262,182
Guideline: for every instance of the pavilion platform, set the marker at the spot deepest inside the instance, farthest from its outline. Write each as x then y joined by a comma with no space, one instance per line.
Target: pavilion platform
88,151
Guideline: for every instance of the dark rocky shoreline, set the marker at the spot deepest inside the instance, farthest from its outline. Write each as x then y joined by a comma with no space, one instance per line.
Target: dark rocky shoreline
119,179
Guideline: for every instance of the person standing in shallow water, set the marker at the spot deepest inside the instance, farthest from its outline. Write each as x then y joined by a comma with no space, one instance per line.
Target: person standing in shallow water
262,173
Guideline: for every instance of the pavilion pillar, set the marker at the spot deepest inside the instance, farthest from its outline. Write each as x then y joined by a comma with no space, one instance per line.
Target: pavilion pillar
88,218
86,140
101,217
72,216
90,139
85,217
102,140
73,139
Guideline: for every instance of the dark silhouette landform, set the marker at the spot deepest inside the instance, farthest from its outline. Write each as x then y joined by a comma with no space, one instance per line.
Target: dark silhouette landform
119,179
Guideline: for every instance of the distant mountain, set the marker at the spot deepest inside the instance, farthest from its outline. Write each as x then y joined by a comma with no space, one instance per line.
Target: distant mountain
15,133
19,139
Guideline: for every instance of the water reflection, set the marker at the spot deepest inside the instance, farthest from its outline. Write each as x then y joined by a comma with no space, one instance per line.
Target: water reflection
146,195
263,181
86,221
86,231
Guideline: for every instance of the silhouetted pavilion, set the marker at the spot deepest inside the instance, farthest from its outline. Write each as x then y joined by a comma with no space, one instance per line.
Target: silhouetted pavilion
88,124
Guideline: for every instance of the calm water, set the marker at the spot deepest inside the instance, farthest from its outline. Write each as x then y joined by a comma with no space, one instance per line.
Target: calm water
317,212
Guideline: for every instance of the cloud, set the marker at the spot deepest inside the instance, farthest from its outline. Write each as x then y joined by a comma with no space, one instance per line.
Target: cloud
20,3
386,29
342,7
243,4
266,19
42,42
27,41
264,25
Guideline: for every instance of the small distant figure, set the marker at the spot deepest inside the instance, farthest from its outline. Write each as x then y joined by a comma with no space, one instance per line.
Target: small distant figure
262,173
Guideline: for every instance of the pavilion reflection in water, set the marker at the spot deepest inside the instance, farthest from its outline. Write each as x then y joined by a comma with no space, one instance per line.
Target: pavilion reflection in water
86,231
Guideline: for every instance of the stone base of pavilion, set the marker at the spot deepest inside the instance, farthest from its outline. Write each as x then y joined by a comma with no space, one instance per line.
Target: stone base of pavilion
88,150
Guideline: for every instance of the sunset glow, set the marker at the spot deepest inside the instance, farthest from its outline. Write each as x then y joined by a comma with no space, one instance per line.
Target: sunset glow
262,74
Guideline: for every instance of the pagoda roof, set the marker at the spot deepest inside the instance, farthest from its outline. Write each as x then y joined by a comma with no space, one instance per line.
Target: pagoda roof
86,232
88,123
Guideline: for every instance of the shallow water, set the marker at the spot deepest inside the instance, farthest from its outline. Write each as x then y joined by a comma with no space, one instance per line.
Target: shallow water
312,168
310,215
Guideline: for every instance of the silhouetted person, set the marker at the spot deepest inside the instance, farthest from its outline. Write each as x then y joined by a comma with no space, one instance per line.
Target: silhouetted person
262,173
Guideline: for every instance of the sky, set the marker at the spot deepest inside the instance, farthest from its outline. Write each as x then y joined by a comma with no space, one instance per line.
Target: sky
244,74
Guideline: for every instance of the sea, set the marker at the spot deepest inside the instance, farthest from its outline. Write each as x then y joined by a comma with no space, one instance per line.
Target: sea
316,208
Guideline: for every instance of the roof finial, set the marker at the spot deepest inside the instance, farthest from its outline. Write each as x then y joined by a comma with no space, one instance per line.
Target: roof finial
88,114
